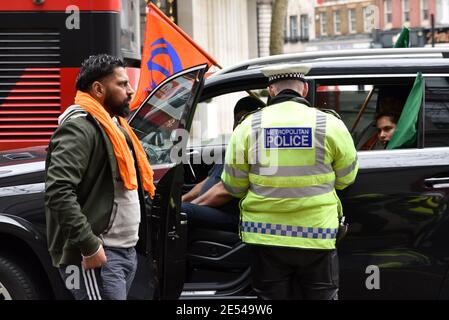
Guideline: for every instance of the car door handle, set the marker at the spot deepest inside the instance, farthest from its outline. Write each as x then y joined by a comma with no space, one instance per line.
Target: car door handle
173,235
437,183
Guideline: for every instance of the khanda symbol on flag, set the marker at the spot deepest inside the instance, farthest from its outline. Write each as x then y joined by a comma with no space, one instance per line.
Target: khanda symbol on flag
167,50
159,71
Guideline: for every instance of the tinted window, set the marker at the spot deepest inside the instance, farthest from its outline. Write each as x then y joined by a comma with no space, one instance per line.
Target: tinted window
164,112
214,119
347,98
436,112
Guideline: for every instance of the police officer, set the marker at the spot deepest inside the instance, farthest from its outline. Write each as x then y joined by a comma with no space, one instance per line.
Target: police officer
285,162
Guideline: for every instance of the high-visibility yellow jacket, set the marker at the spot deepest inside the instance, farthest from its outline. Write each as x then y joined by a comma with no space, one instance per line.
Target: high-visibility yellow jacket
285,162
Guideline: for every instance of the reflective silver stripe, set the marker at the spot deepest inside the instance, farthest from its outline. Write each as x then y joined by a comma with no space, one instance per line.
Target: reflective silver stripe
289,231
256,122
342,185
277,192
292,170
234,190
345,171
234,172
320,136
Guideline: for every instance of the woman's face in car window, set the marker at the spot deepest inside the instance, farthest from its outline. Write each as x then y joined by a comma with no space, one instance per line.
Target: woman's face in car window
386,128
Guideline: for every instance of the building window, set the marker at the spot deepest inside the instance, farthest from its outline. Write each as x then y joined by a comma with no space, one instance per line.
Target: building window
304,27
352,21
424,10
387,12
405,11
294,28
285,29
337,22
323,24
368,18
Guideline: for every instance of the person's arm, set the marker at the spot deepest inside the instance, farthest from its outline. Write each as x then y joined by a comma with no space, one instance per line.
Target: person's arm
67,161
193,194
235,176
214,197
95,260
345,164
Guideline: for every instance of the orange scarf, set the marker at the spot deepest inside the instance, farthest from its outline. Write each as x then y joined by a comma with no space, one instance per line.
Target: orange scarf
122,153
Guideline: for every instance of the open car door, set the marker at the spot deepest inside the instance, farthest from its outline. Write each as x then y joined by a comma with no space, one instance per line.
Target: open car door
161,125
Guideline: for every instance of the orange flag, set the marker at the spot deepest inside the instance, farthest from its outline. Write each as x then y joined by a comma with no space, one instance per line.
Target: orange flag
167,50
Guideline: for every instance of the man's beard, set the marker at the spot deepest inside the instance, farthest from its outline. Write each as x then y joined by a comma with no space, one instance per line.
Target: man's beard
118,109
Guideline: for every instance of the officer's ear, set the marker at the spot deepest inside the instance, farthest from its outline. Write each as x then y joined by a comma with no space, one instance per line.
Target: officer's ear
271,90
305,89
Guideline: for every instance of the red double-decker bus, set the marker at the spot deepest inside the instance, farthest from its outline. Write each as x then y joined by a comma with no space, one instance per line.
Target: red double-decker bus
42,44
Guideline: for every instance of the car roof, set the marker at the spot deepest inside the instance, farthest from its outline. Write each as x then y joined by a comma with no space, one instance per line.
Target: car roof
350,63
341,56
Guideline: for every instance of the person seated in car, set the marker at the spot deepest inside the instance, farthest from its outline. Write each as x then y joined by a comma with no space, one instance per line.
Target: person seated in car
386,125
390,102
208,204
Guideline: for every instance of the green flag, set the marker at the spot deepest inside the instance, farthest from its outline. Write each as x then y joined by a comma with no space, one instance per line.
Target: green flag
403,40
405,134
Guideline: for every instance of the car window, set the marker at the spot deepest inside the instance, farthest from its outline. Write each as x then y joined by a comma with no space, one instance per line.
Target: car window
348,97
213,120
165,111
347,100
436,113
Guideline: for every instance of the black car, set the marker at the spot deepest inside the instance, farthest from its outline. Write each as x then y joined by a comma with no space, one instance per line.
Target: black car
398,215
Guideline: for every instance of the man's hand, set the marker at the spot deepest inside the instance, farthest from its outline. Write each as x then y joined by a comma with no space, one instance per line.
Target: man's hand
96,260
193,194
214,197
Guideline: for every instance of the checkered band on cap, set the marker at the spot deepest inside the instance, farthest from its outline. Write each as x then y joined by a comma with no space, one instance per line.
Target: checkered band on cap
286,72
286,76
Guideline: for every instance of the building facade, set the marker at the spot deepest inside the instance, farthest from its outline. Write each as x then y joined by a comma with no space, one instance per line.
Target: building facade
264,9
343,24
394,14
226,29
300,25
417,16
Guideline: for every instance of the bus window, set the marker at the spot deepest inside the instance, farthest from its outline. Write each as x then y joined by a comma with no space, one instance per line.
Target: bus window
130,29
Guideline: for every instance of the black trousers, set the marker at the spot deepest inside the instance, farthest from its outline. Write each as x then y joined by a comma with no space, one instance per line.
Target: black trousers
280,273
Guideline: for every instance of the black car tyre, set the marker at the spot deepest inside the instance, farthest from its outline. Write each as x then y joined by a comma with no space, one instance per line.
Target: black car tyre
15,283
